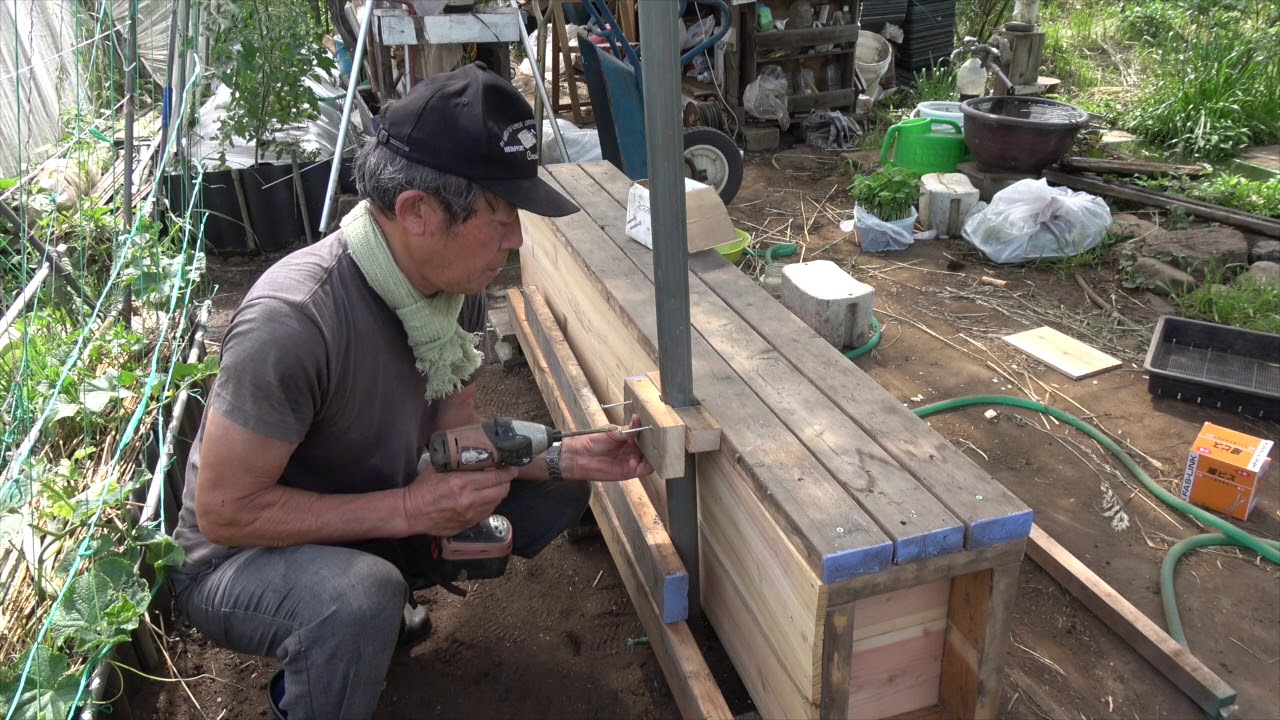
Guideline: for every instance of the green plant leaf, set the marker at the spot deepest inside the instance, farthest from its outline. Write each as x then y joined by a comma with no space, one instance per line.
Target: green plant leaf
101,607
49,692
161,550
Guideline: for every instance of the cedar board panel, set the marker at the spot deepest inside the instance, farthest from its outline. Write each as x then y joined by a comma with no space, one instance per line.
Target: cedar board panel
1062,352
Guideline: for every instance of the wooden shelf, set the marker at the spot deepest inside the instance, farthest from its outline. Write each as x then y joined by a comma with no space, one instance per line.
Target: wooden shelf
802,56
828,99
806,37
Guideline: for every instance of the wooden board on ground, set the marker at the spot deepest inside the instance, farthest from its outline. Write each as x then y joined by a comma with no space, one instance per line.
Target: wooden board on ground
1174,661
1063,353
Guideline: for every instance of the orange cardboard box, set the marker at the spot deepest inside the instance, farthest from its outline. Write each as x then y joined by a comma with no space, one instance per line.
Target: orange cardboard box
1225,469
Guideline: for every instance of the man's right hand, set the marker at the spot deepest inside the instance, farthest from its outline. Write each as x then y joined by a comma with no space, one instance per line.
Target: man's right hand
444,504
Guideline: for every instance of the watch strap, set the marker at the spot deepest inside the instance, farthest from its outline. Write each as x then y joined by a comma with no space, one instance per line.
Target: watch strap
552,458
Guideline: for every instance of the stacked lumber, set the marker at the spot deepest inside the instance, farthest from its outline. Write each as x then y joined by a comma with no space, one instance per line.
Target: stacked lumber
853,563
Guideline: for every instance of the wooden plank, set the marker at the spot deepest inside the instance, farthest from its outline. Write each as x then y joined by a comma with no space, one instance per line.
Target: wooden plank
919,526
837,664
694,688
919,573
1256,223
806,37
1173,661
978,621
768,577
990,513
765,675
701,431
837,537
663,442
1128,167
1062,352
897,650
556,372
826,99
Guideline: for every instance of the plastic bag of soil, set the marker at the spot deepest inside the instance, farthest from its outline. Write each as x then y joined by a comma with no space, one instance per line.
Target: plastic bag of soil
1031,221
876,235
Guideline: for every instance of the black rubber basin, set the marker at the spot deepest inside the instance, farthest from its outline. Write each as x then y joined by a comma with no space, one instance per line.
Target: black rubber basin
1020,134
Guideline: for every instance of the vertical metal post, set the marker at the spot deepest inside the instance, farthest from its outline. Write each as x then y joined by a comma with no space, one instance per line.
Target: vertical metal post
356,60
660,36
130,101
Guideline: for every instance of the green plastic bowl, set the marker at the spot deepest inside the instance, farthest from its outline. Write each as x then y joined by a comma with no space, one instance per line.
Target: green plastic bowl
732,251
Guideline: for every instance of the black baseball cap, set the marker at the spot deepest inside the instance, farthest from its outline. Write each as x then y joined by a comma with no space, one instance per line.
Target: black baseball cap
472,123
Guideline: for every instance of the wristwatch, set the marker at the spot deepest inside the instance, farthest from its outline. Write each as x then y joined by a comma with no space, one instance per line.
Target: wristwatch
552,457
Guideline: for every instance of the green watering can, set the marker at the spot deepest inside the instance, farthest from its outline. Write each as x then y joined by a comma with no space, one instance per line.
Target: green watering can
913,144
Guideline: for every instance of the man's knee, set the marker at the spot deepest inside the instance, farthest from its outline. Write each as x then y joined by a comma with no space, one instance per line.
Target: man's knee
369,593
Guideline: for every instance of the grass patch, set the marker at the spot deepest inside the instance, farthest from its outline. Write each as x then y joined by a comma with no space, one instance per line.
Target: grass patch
1248,304
1261,197
1095,257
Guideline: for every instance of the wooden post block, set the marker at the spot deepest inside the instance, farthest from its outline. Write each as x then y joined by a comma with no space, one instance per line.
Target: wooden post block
701,431
663,443
947,200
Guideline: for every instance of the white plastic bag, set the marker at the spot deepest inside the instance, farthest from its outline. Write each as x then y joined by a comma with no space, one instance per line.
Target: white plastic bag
766,97
1031,221
699,31
583,143
876,235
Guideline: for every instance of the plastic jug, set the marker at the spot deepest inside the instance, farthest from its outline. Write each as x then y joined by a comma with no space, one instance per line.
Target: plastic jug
914,144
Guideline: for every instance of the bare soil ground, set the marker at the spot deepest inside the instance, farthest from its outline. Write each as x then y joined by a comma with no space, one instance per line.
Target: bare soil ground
551,638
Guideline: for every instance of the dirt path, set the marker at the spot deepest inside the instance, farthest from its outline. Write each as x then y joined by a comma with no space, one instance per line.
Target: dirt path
551,638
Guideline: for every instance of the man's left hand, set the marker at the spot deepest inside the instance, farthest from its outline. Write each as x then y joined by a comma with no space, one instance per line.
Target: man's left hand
604,457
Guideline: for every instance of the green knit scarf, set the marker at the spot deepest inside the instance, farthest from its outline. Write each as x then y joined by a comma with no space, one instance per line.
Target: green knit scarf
443,352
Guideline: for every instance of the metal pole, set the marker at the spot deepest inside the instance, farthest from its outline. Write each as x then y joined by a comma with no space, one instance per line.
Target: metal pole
660,35
130,101
535,64
356,62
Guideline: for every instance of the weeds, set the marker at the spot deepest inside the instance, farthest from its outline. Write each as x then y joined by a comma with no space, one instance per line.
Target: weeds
1261,197
1249,304
1095,257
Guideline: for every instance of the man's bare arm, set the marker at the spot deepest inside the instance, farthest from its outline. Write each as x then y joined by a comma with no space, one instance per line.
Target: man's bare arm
240,501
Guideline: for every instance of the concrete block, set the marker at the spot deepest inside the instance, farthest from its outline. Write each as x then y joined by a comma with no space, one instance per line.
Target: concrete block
830,301
990,182
948,199
761,139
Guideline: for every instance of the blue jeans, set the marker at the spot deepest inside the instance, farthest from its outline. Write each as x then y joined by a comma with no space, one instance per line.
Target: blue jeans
332,614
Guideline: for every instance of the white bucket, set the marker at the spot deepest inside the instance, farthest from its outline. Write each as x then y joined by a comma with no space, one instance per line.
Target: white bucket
871,59
941,109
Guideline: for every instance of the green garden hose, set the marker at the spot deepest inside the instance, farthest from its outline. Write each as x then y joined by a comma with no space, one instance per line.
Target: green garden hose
870,344
1266,548
1167,596
775,251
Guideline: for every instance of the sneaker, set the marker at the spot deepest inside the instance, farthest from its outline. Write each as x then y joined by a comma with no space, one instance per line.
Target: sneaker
275,695
416,625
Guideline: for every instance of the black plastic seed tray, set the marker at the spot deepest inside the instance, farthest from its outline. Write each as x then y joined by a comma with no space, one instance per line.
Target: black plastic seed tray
1215,365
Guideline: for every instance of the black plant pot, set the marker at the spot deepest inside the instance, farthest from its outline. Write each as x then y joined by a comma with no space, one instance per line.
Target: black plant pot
273,206
219,209
315,180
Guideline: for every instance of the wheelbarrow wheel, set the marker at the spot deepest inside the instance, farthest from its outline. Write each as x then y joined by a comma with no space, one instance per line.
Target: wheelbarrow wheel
711,157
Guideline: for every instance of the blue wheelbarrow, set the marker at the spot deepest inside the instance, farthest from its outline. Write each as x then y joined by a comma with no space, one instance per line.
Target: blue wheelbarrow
614,83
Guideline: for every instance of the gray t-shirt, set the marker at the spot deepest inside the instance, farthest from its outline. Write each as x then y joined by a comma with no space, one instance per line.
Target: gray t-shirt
313,356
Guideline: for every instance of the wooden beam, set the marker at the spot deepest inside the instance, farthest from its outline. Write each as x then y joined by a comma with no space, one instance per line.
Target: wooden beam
1173,661
806,37
694,688
1249,221
663,442
556,372
1128,167
701,431
978,622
